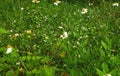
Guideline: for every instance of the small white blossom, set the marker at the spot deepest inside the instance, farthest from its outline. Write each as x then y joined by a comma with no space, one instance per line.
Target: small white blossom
10,35
74,46
79,56
84,28
14,21
57,2
86,36
74,13
115,4
22,8
28,13
64,65
107,75
18,63
60,27
16,35
9,50
84,10
64,35
35,1
11,30
90,4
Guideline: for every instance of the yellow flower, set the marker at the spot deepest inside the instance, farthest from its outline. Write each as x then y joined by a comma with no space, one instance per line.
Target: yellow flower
9,46
28,31
35,1
63,54
14,37
21,69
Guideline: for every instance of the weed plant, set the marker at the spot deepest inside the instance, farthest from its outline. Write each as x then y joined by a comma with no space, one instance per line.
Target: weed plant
65,39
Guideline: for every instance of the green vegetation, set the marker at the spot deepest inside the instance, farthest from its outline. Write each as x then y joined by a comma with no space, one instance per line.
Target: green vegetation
59,39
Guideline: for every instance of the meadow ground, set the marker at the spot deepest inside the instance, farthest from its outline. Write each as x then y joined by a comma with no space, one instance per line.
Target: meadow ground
59,38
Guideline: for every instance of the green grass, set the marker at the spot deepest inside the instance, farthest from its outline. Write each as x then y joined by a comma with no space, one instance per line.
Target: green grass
92,47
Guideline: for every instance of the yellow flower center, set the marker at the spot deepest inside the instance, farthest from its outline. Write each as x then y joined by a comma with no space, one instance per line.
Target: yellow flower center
21,69
9,46
63,54
35,0
57,1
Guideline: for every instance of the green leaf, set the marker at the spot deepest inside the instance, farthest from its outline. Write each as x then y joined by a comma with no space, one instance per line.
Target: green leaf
99,72
10,73
45,59
3,31
105,67
102,53
104,45
49,71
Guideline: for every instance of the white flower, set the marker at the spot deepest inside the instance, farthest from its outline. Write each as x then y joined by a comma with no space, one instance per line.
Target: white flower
60,27
16,35
64,35
79,56
9,50
84,10
64,65
90,4
22,8
18,63
11,30
14,21
107,75
84,28
115,4
57,2
35,1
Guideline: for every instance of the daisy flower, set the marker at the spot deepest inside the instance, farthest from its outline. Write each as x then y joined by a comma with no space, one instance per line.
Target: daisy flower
64,35
107,75
115,4
84,10
57,2
35,1
9,49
